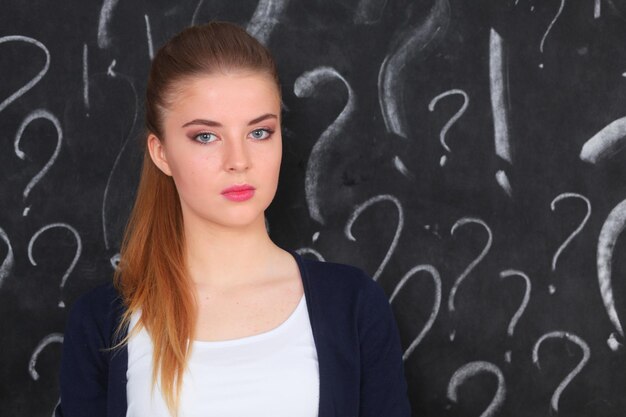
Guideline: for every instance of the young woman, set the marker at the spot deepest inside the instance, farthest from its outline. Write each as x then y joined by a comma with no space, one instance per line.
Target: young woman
206,315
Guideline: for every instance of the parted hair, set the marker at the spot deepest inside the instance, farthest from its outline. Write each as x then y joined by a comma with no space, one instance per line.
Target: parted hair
152,276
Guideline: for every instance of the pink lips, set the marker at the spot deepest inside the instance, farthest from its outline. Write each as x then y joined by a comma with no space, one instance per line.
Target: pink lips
239,192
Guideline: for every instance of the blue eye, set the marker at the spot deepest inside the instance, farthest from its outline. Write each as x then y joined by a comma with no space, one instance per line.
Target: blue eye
260,134
204,137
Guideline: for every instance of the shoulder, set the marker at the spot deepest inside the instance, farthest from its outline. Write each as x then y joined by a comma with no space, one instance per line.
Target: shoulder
96,312
336,275
343,282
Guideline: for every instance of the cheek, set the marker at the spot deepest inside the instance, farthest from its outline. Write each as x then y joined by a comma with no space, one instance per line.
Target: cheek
272,161
191,171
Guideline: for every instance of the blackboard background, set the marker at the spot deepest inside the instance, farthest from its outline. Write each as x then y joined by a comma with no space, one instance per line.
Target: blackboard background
561,92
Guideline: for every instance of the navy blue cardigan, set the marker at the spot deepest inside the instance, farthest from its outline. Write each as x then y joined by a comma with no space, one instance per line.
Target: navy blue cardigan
355,334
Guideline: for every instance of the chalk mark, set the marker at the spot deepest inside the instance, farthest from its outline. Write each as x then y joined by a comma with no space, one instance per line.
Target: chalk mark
79,249
434,274
566,381
35,115
106,12
22,90
51,338
364,206
475,368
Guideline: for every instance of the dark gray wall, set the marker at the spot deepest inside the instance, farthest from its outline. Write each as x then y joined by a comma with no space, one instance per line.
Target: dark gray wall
467,154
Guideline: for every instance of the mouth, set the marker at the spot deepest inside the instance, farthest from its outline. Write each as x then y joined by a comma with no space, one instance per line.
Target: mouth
239,192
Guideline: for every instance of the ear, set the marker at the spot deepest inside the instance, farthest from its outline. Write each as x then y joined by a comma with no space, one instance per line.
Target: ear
158,154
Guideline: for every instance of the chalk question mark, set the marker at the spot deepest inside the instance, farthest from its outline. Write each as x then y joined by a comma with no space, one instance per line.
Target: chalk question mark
462,222
565,382
434,274
38,114
319,163
545,35
520,310
392,74
51,338
357,213
475,368
574,233
22,90
453,119
9,260
611,229
79,248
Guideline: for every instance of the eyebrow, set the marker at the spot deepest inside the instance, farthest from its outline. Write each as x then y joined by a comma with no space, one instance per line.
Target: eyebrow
212,123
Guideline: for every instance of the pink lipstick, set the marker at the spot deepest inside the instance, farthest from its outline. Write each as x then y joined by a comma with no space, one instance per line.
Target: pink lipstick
239,192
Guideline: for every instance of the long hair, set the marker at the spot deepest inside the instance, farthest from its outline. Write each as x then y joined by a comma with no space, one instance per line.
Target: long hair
152,275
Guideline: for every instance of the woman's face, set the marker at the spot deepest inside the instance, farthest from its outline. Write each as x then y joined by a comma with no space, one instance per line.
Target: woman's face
222,145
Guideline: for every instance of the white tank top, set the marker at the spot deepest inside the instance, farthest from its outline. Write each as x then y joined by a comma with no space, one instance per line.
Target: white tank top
272,374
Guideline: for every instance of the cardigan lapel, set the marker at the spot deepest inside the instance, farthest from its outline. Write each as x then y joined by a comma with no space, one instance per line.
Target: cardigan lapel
326,403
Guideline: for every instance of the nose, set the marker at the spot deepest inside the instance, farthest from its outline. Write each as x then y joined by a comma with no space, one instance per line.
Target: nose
236,156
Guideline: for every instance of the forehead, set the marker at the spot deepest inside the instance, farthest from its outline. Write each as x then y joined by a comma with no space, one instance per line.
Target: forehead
231,94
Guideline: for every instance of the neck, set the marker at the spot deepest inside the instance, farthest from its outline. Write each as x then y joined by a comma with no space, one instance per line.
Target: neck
224,257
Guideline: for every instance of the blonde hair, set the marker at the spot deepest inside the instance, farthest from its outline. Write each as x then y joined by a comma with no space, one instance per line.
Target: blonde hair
152,275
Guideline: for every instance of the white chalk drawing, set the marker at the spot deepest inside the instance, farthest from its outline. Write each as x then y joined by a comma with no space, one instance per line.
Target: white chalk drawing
554,402
399,165
462,222
55,407
115,261
613,343
105,198
194,17
500,105
23,89
79,249
149,37
86,76
9,259
369,12
577,230
611,230
434,274
317,166
394,243
391,83
522,307
51,338
311,251
504,183
265,18
106,12
35,115
453,119
110,71
545,35
597,9
499,93
475,368
606,143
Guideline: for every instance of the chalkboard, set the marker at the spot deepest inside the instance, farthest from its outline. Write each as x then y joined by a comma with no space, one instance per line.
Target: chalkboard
466,154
